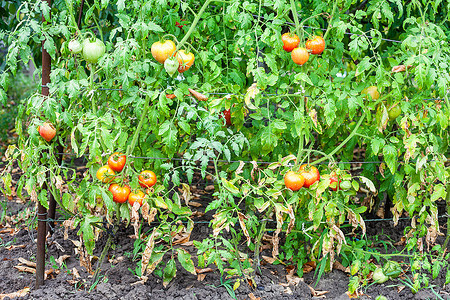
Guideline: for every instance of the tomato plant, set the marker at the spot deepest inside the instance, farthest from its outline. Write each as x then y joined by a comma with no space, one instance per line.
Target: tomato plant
290,41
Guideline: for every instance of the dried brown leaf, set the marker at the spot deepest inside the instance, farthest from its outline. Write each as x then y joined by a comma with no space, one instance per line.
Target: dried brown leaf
201,277
197,95
194,204
15,246
25,269
269,259
21,293
252,297
27,263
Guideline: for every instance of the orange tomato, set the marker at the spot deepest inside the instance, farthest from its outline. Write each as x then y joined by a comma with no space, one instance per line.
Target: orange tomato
105,174
147,179
299,55
186,60
138,196
293,181
316,45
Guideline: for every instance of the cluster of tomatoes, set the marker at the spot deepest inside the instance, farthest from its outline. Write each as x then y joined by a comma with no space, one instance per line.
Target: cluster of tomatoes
122,192
92,49
305,177
164,52
300,55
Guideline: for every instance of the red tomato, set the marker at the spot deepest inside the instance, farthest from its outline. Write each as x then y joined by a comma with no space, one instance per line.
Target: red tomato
147,179
316,45
310,173
293,181
138,196
161,51
227,115
47,131
290,41
120,193
117,161
300,55
186,60
332,180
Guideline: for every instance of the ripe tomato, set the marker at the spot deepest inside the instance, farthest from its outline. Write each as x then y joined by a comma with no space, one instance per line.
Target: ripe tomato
394,112
293,181
310,173
300,55
47,131
161,51
186,60
371,91
147,179
120,193
117,161
334,187
105,174
136,197
316,45
227,115
290,41
93,49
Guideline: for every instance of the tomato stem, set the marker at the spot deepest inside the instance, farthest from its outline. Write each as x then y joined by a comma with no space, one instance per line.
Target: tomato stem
139,127
331,19
297,24
447,201
363,116
91,77
194,23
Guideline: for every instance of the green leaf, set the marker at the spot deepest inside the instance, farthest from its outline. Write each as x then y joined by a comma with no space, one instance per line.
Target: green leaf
88,233
390,156
377,144
302,77
185,260
438,193
170,271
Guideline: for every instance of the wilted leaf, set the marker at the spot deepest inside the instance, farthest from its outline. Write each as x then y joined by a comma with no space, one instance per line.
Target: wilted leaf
21,293
185,260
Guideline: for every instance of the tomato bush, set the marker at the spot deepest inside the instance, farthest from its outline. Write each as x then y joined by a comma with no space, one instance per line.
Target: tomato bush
368,92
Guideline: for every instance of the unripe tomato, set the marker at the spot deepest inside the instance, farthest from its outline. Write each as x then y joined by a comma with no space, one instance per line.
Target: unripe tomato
293,181
186,60
75,46
161,51
138,196
299,55
120,193
378,276
345,185
105,174
290,41
394,112
316,45
371,91
93,50
117,161
147,179
310,173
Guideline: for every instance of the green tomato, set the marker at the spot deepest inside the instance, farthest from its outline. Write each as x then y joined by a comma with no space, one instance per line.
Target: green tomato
378,276
392,269
75,46
394,112
345,185
93,50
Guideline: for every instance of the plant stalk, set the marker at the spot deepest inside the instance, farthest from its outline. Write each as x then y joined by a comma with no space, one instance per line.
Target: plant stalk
194,23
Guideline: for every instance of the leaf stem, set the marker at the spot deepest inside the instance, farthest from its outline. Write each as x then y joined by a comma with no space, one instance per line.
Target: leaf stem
194,23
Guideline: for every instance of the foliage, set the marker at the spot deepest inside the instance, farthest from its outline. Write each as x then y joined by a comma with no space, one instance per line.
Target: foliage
280,112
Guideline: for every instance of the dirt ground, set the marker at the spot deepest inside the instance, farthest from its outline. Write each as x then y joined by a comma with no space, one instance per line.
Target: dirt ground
70,281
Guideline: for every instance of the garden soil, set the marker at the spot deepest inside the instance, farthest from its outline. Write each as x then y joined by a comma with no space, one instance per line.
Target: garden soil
71,281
